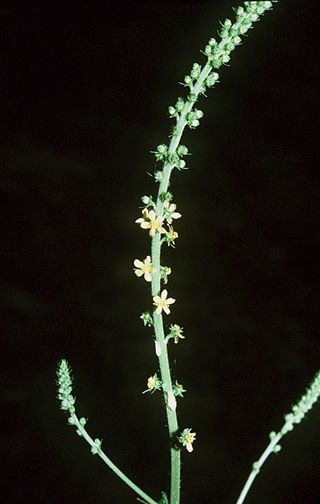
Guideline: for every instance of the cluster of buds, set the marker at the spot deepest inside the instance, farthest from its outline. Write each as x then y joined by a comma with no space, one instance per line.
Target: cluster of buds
64,382
175,158
191,79
175,111
193,118
306,402
230,33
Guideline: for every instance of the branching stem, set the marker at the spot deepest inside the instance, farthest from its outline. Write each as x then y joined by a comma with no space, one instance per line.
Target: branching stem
109,462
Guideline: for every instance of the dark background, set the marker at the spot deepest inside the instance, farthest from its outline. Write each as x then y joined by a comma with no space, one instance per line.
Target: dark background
84,97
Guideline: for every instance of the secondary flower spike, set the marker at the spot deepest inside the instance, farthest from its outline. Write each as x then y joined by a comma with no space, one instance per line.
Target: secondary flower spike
162,302
144,268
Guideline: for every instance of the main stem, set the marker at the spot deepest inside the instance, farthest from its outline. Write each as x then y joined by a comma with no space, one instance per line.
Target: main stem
173,425
166,377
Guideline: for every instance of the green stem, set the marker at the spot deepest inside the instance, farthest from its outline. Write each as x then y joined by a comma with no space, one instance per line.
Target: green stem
110,464
166,378
222,49
173,425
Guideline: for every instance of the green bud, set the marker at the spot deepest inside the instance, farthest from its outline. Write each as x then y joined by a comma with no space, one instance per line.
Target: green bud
212,79
199,114
256,467
223,33
192,98
160,152
182,150
179,104
244,28
147,200
158,176
166,196
277,448
178,389
97,446
196,70
236,40
147,319
181,164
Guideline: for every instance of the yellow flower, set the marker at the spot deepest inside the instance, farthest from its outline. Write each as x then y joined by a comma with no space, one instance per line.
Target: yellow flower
153,384
176,332
190,438
171,236
163,303
170,212
151,221
187,438
144,268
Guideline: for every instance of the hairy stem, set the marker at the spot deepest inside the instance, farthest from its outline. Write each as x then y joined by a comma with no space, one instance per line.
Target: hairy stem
155,288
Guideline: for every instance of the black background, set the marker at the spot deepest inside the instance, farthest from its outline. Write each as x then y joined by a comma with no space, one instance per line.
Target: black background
84,97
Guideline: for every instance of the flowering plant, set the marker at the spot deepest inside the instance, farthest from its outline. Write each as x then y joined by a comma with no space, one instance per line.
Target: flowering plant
158,217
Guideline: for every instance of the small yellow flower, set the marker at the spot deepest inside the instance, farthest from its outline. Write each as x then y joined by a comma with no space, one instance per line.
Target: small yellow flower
153,384
151,221
190,438
176,332
163,303
171,236
170,210
144,268
187,438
